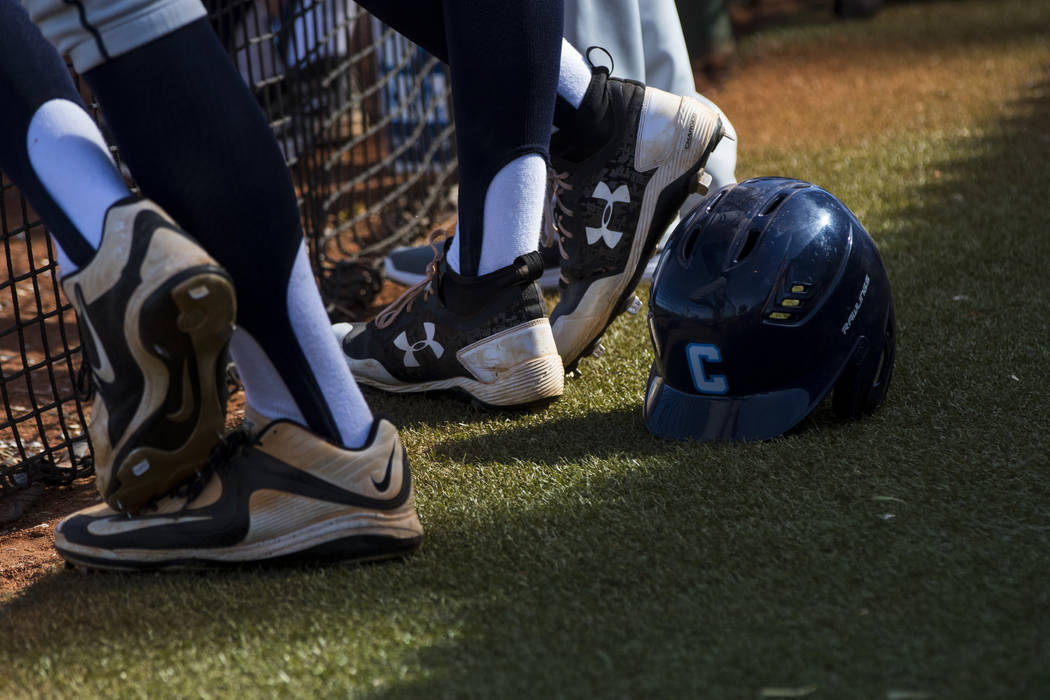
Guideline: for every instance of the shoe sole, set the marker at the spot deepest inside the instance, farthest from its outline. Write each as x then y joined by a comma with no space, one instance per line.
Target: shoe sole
537,378
608,297
353,536
184,331
532,384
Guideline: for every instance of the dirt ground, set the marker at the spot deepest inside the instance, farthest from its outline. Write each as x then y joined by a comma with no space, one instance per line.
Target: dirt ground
26,544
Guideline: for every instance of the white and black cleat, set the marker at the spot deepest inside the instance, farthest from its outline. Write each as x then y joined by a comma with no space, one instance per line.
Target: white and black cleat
612,206
486,339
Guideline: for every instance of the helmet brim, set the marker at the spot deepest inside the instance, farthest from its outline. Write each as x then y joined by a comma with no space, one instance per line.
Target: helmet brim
677,415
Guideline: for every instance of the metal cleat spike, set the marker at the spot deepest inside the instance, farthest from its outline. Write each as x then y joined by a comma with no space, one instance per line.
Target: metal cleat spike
635,306
703,183
599,350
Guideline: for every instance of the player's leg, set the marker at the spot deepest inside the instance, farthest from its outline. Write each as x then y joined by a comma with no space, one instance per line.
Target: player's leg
479,327
47,135
424,22
156,312
627,157
613,24
641,35
196,142
503,62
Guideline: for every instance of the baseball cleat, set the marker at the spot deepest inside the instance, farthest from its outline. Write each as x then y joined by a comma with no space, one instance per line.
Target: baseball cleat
610,207
156,315
279,494
484,338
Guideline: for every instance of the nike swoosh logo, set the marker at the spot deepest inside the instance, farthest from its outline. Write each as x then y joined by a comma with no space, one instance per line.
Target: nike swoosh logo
121,525
382,486
104,369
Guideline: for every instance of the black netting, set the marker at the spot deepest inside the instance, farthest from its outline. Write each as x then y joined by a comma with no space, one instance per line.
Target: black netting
364,119
43,439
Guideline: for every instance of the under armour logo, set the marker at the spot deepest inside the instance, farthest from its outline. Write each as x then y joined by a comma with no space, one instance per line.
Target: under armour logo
410,349
602,192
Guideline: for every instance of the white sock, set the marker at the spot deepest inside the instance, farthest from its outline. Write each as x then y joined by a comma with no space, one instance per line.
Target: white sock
267,392
514,201
264,390
513,215
452,256
574,75
73,163
513,212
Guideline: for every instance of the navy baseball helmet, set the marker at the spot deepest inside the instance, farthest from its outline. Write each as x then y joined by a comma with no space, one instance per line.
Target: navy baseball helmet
769,296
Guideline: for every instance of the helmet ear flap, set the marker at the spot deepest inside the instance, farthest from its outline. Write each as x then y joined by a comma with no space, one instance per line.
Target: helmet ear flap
863,384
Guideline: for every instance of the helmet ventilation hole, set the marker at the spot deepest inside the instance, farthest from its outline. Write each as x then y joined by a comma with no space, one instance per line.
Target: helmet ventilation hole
886,357
748,246
690,242
718,198
772,207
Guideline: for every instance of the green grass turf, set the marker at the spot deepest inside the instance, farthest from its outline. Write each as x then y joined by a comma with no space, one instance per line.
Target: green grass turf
569,553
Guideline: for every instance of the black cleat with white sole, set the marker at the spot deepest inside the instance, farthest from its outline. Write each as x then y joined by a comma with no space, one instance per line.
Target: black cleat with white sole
484,338
613,202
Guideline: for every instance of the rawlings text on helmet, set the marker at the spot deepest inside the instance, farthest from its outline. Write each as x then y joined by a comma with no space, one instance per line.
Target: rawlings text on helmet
856,307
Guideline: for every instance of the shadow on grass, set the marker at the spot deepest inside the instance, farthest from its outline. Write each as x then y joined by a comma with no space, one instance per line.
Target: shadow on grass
679,577
601,584
619,432
563,438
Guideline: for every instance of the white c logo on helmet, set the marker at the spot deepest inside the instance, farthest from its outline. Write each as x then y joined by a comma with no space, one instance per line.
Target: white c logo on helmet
704,383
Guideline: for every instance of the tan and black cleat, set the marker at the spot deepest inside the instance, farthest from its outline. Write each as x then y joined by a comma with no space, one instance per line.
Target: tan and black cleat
156,315
280,494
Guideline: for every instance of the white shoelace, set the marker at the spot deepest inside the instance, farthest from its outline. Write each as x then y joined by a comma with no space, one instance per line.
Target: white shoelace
552,231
